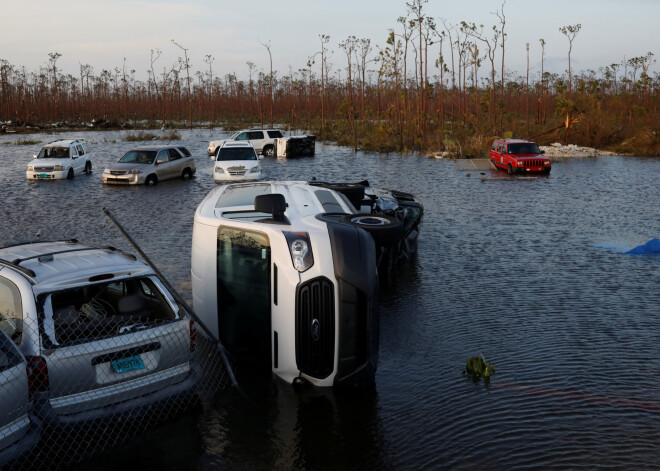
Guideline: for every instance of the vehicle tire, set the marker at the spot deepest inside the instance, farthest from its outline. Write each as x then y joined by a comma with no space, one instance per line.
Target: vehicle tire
70,174
385,230
88,168
186,174
269,151
510,169
151,180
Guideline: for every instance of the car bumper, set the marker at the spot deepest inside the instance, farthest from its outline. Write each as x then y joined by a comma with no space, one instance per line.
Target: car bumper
122,179
24,445
177,394
54,175
223,177
525,170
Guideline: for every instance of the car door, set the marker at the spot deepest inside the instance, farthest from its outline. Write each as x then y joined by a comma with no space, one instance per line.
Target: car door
162,164
75,159
177,163
257,140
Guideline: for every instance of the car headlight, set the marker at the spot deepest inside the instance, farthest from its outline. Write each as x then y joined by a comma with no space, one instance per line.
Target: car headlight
520,164
301,250
219,170
58,168
211,146
30,168
256,169
547,162
135,171
106,170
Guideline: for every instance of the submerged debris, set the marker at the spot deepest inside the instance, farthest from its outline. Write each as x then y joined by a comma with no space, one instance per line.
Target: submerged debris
476,367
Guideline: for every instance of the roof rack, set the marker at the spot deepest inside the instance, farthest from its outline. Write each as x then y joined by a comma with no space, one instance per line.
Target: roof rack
46,257
25,271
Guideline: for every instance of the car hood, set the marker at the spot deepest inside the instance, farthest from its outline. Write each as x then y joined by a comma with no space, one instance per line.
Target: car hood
528,156
237,163
50,162
127,166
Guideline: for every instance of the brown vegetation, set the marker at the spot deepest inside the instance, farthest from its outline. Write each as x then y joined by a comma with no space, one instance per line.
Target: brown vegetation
396,97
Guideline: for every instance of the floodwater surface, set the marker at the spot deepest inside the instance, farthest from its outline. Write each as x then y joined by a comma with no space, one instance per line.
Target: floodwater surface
529,273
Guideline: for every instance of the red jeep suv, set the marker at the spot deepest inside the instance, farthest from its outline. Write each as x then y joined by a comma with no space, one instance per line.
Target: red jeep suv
518,156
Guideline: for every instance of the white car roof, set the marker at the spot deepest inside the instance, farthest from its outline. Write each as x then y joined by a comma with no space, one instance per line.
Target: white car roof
237,144
68,263
65,143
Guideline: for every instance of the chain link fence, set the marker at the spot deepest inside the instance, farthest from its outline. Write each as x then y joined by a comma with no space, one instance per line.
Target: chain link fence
88,366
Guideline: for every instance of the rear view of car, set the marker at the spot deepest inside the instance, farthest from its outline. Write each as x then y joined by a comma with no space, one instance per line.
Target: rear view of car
102,334
237,161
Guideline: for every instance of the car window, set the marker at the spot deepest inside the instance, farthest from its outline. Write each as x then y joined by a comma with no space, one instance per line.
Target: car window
163,156
11,310
80,150
254,135
524,148
9,357
274,134
174,154
184,151
242,136
92,312
494,146
138,157
499,147
237,153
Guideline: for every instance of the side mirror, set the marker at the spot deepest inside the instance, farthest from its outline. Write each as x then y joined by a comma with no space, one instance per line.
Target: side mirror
34,156
158,162
542,152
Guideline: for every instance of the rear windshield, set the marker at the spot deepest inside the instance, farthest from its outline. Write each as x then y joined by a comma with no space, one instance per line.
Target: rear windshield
138,157
184,151
237,153
524,148
104,310
53,152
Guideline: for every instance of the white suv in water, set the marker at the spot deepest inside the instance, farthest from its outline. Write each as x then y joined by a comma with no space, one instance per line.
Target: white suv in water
263,141
101,333
60,159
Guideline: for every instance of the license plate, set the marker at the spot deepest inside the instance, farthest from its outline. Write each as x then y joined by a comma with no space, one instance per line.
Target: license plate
43,175
128,364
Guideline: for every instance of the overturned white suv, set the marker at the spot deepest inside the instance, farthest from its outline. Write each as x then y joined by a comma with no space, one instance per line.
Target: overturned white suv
286,274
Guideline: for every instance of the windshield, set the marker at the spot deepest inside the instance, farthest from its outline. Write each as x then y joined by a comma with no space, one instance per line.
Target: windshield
53,152
138,157
524,148
237,153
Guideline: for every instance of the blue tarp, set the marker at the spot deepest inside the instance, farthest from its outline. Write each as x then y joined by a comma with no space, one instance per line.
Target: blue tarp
652,246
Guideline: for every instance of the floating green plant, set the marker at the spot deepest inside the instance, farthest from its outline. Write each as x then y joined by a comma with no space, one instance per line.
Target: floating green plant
476,367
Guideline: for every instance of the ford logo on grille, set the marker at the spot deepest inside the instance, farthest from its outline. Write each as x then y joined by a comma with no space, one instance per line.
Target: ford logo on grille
316,330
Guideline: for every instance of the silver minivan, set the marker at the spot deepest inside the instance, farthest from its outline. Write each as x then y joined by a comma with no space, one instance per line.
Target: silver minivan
101,332
150,164
19,430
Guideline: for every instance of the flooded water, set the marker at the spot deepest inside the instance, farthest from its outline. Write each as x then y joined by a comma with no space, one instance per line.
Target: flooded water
530,273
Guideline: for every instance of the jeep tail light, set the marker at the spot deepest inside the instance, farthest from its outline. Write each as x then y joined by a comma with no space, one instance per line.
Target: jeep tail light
37,372
193,335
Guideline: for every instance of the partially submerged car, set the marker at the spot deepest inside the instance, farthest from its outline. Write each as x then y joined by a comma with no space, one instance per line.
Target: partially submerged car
263,141
237,161
19,429
101,333
518,156
286,275
60,159
150,164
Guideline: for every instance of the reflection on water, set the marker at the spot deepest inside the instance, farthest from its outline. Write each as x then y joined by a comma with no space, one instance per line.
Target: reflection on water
516,270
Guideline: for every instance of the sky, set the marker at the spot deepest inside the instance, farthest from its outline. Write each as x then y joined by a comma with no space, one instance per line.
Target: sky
110,34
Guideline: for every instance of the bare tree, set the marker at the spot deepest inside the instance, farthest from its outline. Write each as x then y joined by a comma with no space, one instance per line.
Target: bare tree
500,14
270,81
570,32
187,66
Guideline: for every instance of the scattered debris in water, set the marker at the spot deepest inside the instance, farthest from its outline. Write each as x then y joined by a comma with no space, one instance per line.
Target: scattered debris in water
476,368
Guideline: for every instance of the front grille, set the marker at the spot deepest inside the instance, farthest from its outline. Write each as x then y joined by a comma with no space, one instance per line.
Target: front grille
315,327
44,169
533,163
117,172
237,172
